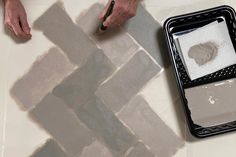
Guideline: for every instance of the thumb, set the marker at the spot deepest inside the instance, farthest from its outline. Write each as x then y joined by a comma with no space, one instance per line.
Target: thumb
109,21
24,24
104,10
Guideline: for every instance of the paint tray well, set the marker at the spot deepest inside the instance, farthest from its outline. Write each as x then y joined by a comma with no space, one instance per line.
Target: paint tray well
185,24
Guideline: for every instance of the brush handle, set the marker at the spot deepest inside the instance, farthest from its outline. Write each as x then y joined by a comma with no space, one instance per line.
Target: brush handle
108,13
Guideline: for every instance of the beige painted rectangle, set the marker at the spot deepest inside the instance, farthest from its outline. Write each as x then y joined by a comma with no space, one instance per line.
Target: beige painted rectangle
47,71
116,43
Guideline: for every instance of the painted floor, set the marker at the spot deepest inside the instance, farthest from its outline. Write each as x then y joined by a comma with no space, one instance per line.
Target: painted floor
129,105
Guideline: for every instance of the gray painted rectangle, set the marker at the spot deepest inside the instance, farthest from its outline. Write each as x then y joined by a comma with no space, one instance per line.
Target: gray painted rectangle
58,27
149,128
62,124
107,127
80,86
125,84
149,34
50,149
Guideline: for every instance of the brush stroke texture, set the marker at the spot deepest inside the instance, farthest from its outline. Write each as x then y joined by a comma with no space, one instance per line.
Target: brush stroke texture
130,79
58,27
79,87
107,126
140,150
149,34
116,43
96,149
149,128
49,149
62,124
49,70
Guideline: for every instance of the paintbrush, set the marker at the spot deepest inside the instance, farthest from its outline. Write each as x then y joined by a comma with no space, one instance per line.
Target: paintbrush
103,28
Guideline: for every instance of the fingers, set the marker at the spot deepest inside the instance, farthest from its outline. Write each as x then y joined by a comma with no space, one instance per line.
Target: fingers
134,7
24,24
115,19
123,11
16,19
104,10
19,27
10,28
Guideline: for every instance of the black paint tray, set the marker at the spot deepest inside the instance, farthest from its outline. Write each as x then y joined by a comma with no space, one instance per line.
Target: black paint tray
188,22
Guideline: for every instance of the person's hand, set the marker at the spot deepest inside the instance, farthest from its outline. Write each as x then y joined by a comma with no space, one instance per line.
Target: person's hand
122,11
16,18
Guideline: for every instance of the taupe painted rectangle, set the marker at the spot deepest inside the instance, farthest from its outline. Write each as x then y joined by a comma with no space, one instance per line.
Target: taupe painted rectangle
107,127
149,128
125,84
49,149
149,34
80,86
58,27
116,43
62,124
49,70
212,104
